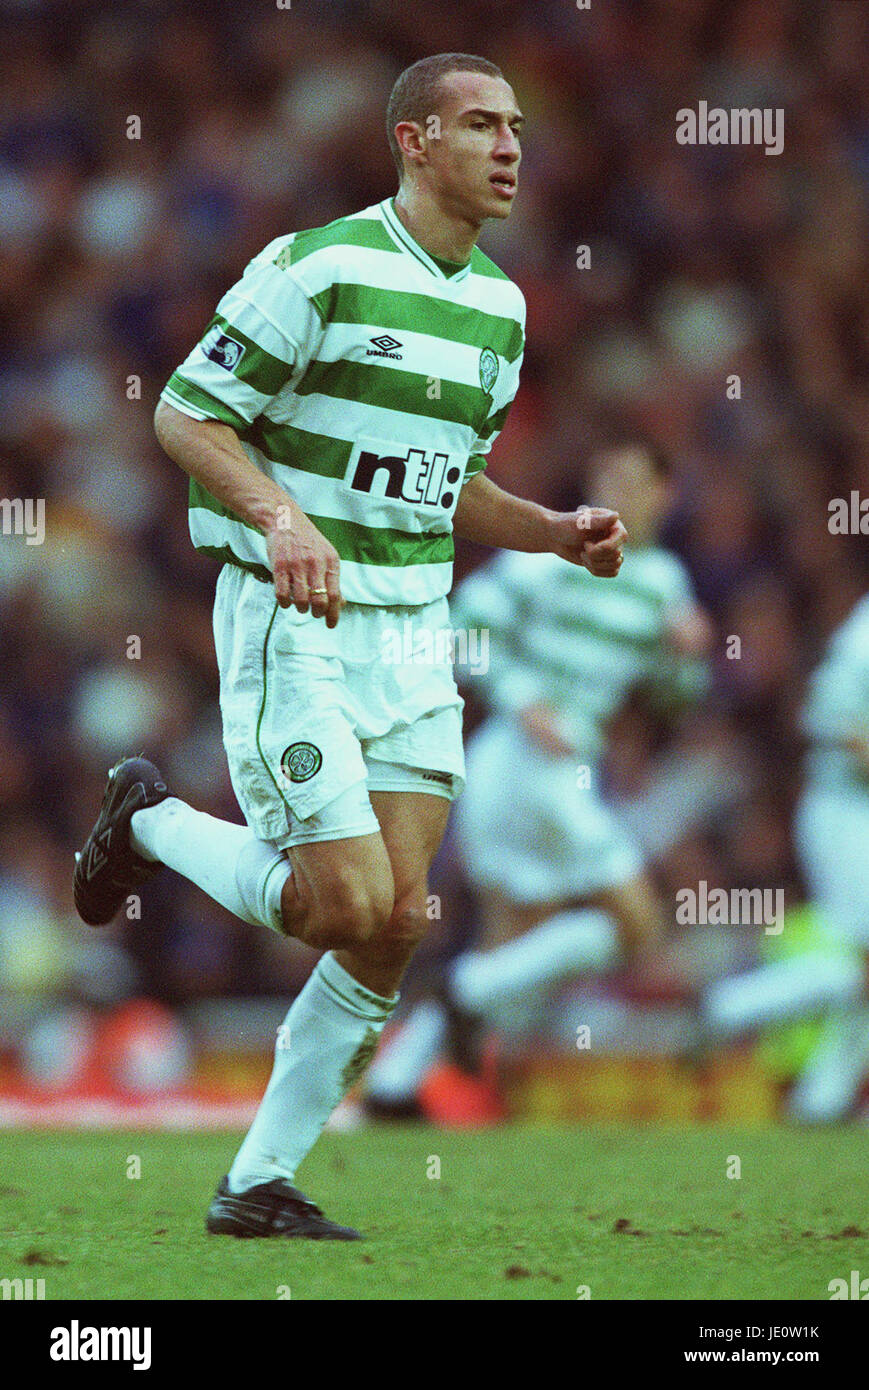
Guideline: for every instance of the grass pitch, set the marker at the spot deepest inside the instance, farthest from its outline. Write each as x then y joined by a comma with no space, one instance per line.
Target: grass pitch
517,1213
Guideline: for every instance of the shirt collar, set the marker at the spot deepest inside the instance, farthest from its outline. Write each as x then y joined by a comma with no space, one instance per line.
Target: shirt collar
402,236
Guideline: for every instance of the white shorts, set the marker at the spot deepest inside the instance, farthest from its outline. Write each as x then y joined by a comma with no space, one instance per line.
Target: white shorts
533,826
831,831
314,720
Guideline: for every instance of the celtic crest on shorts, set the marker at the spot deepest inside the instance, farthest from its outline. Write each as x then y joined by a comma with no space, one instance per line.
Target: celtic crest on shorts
488,369
301,761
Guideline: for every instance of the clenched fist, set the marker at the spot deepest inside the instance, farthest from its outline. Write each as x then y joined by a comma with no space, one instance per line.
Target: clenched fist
591,536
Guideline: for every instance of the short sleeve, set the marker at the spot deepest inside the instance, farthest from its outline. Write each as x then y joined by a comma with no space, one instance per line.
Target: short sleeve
265,332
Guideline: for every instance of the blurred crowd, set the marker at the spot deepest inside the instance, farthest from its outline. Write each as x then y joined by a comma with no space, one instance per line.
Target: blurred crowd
148,150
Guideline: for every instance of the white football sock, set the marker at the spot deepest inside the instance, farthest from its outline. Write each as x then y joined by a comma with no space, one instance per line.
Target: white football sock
785,989
571,943
831,1079
398,1071
325,1043
244,874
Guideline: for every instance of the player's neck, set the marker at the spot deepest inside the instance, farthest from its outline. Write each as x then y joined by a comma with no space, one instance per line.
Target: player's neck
450,237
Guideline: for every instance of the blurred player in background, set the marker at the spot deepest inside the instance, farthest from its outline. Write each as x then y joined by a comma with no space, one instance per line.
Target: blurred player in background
561,883
335,419
823,973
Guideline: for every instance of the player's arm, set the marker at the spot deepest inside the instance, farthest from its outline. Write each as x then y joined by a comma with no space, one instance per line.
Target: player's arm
302,560
590,536
265,332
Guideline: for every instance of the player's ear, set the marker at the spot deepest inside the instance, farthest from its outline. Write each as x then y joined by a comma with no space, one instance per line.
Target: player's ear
410,137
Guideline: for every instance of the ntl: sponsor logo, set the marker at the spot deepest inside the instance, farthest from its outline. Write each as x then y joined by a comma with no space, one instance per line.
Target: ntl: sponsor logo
741,125
740,907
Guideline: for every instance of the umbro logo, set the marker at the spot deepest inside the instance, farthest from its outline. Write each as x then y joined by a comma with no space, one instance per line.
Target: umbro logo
97,854
384,346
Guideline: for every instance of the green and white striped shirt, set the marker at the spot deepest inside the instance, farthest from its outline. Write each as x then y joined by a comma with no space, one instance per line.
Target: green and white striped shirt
370,383
560,637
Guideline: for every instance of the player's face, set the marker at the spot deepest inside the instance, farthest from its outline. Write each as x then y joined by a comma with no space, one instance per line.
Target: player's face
626,480
473,166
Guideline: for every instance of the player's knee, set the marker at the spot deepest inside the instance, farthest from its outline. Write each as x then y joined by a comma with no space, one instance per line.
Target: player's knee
357,920
408,924
398,937
352,916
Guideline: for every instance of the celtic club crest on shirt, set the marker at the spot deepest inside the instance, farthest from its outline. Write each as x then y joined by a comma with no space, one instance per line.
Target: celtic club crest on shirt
488,369
301,761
